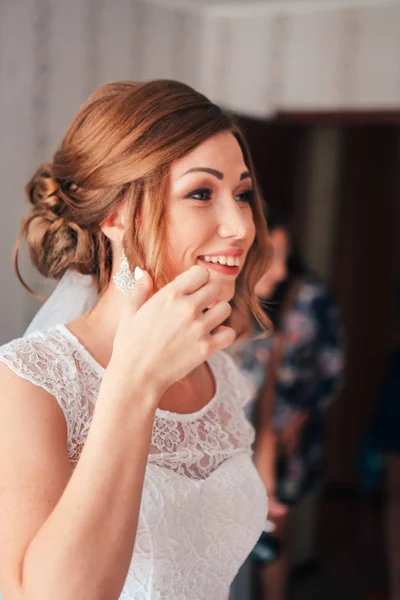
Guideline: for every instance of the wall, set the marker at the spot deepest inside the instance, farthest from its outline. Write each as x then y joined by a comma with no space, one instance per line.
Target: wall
53,53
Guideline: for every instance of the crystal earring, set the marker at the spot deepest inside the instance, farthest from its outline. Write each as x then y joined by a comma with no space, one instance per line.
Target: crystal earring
124,278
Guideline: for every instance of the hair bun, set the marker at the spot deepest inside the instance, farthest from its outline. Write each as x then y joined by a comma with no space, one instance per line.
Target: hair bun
56,243
42,189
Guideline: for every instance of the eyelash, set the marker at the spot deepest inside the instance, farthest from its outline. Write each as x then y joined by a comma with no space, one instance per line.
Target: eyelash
246,196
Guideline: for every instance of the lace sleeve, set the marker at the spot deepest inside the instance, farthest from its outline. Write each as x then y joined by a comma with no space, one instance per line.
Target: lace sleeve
34,359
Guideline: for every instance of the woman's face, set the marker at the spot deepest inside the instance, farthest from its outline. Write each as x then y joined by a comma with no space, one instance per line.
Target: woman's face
277,270
209,211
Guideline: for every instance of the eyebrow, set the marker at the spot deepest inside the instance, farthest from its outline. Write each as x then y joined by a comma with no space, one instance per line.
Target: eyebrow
215,173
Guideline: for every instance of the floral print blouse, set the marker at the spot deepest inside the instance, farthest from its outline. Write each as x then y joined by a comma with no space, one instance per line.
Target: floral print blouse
308,377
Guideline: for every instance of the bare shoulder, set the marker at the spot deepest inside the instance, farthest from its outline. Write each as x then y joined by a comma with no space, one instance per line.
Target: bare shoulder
20,398
34,465
29,416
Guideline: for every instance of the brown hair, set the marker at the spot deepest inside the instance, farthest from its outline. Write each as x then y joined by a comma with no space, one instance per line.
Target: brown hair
120,146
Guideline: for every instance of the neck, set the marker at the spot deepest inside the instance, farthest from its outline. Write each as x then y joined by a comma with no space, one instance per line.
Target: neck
97,328
106,313
96,331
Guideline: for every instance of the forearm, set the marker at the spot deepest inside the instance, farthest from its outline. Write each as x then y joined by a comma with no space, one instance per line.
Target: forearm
84,548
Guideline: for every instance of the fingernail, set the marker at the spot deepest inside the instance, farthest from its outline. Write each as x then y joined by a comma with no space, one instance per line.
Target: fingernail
138,273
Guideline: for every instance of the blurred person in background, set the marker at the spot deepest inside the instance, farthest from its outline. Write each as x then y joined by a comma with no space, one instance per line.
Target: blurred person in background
294,375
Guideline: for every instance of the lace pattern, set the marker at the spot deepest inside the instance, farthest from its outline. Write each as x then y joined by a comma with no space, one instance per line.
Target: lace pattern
203,504
190,444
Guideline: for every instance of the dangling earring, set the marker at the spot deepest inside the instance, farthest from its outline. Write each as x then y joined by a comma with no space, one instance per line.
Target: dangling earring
123,278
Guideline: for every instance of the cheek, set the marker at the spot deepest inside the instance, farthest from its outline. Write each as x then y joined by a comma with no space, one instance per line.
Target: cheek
251,232
251,227
183,236
188,227
252,235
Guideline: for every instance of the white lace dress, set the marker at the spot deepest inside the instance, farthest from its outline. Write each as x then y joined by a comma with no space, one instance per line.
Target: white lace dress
203,505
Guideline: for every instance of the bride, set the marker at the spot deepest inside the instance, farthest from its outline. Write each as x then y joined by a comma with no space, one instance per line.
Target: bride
125,456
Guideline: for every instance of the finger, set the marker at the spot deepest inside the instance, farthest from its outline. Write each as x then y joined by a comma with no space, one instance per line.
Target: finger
207,295
216,315
222,338
141,291
276,508
191,280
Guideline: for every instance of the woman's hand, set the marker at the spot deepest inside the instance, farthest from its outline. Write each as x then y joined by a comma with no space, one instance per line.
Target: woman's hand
167,336
276,509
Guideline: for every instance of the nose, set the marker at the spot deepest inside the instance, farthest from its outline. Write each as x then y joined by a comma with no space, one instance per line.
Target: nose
233,221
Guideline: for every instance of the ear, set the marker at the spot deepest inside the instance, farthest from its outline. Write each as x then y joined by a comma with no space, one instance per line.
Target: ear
114,225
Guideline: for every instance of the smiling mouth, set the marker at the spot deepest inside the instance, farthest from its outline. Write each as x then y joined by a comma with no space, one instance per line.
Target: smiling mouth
228,261
225,265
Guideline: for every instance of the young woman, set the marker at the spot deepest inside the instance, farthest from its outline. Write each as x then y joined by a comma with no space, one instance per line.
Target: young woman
125,456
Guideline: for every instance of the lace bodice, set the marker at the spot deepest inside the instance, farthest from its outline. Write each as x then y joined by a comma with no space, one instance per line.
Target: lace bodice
203,504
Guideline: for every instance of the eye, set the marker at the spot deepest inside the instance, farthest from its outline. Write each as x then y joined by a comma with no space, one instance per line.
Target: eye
246,196
200,194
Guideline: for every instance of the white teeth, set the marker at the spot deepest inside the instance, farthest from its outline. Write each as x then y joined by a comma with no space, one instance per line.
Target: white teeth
231,261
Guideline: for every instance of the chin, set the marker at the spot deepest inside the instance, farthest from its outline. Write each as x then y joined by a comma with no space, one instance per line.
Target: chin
228,291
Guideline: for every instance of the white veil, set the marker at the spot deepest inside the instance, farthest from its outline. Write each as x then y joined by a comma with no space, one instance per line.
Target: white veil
73,296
